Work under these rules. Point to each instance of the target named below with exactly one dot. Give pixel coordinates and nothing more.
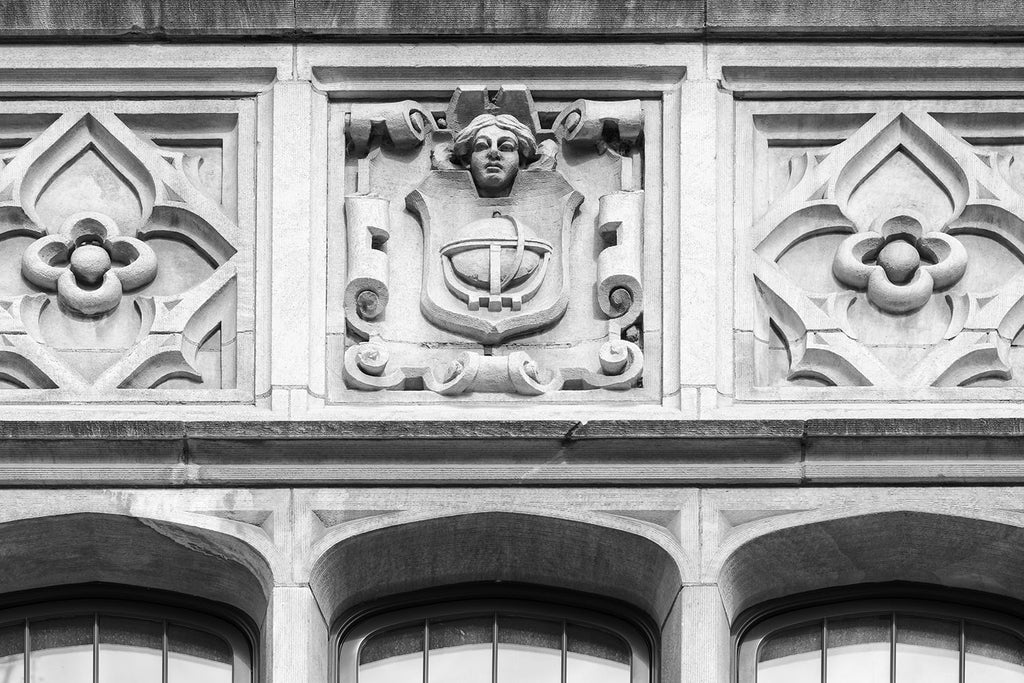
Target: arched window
(884, 641)
(489, 641)
(113, 641)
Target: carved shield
(495, 268)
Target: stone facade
(687, 325)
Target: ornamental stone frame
(420, 306)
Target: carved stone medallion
(524, 226)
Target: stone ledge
(135, 19)
(711, 453)
(759, 18)
(506, 19)
(567, 431)
(353, 18)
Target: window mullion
(96, 648)
(426, 650)
(565, 652)
(824, 651)
(494, 650)
(892, 650)
(963, 651)
(165, 656)
(28, 649)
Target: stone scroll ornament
(498, 220)
(894, 259)
(90, 306)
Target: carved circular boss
(899, 265)
(89, 263)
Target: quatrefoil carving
(89, 244)
(899, 265)
(128, 266)
(893, 259)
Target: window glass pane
(595, 656)
(394, 656)
(12, 653)
(927, 650)
(62, 650)
(461, 651)
(529, 651)
(196, 656)
(859, 649)
(992, 656)
(791, 656)
(131, 650)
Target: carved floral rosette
(127, 267)
(496, 272)
(894, 259)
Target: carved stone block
(125, 249)
(886, 249)
(492, 245)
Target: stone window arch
(494, 640)
(884, 640)
(108, 639)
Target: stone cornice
(504, 19)
(602, 452)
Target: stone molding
(362, 19)
(711, 453)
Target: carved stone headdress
(463, 145)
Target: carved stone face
(494, 161)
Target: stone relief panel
(124, 252)
(886, 248)
(493, 245)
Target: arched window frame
(34, 605)
(352, 633)
(757, 629)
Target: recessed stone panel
(127, 259)
(493, 245)
(885, 255)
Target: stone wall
(688, 325)
(360, 19)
